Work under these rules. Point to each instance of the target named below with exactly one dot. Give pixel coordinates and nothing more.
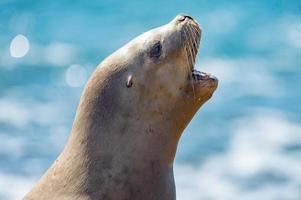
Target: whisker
(195, 40)
(196, 37)
(187, 64)
(198, 31)
(189, 61)
(192, 48)
(190, 74)
(187, 55)
(193, 44)
(190, 51)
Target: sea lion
(132, 112)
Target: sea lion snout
(182, 17)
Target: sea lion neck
(105, 125)
(117, 146)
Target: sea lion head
(131, 114)
(152, 80)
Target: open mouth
(192, 37)
(201, 76)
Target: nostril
(187, 16)
(182, 17)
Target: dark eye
(156, 50)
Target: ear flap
(129, 81)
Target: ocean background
(244, 144)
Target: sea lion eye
(156, 50)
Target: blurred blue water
(253, 47)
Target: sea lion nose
(181, 17)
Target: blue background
(244, 144)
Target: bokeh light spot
(19, 46)
(76, 75)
